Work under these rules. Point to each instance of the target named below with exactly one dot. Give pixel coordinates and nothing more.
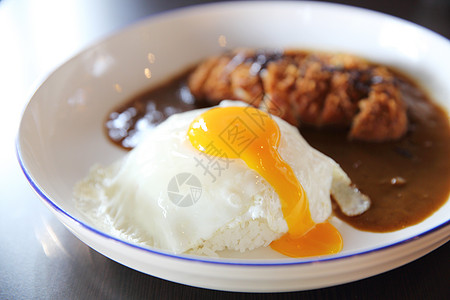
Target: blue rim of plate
(207, 260)
(235, 262)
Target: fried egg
(226, 178)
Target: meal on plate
(230, 177)
(205, 175)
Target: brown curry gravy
(407, 180)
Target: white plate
(61, 135)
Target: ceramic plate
(61, 135)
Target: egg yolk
(252, 135)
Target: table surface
(41, 259)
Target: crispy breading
(319, 89)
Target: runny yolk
(253, 136)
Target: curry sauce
(407, 180)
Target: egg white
(237, 209)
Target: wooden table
(40, 259)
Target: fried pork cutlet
(318, 89)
